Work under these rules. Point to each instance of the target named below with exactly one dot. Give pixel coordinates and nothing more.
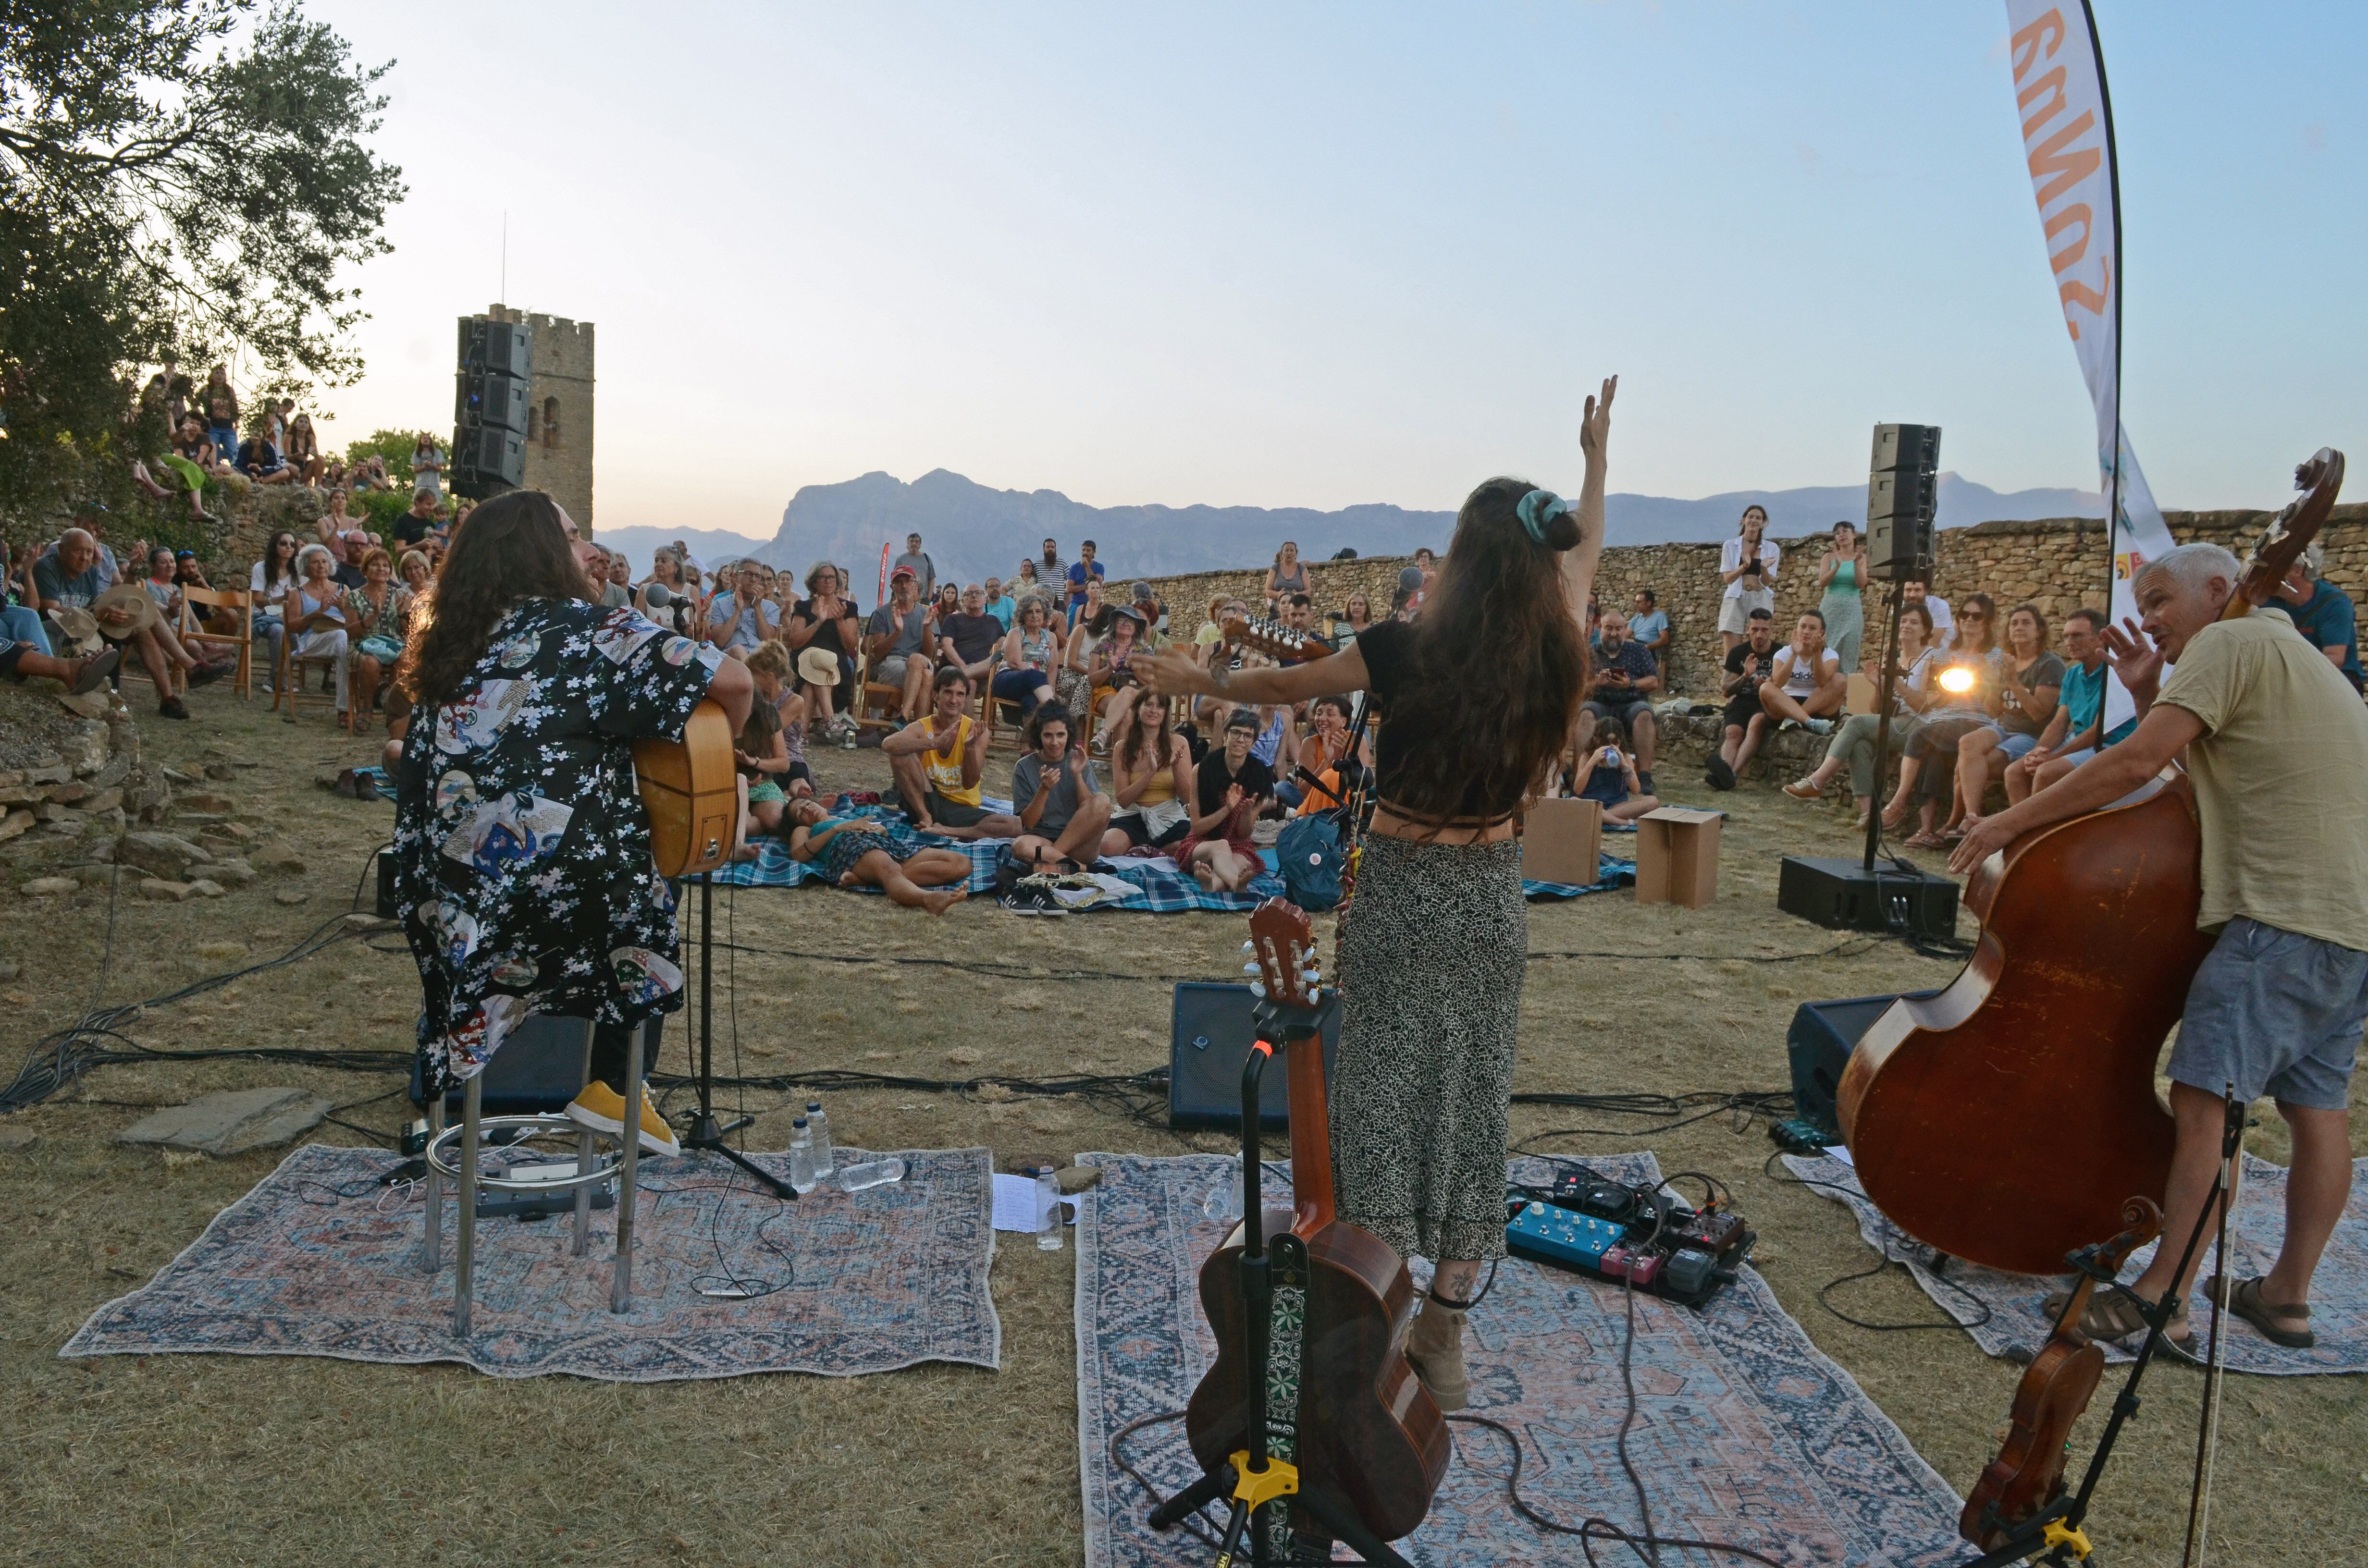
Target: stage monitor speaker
(1819, 1042)
(1842, 894)
(1210, 1038)
(488, 397)
(486, 461)
(504, 348)
(538, 1070)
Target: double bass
(1367, 1431)
(2008, 1118)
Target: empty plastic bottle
(1048, 1213)
(802, 1172)
(826, 1159)
(871, 1173)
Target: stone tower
(559, 410)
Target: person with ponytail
(1475, 701)
(524, 879)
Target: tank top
(1845, 578)
(1036, 653)
(1294, 584)
(1160, 787)
(945, 768)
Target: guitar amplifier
(1209, 1035)
(1819, 1044)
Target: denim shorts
(2013, 744)
(2276, 1013)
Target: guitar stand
(705, 1133)
(1258, 1477)
(2055, 1534)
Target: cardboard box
(1562, 841)
(1861, 694)
(1676, 857)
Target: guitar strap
(1285, 1359)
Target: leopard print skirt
(1430, 967)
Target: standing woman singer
(1476, 699)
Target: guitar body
(1366, 1424)
(690, 789)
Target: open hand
(1595, 426)
(1170, 674)
(2136, 661)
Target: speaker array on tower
(489, 407)
(1901, 489)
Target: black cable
(1766, 1168)
(1662, 1113)
(369, 863)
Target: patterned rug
(1744, 1433)
(313, 1263)
(2005, 1312)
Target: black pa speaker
(539, 1068)
(486, 461)
(1819, 1042)
(1901, 494)
(501, 347)
(1842, 894)
(487, 397)
(1211, 1040)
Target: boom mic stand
(705, 1133)
(1883, 726)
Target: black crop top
(1389, 650)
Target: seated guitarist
(524, 876)
(2276, 742)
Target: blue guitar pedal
(1562, 1236)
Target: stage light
(1956, 680)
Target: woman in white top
(268, 583)
(317, 593)
(1746, 565)
(1911, 693)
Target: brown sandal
(2115, 1314)
(2246, 1301)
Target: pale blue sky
(1316, 256)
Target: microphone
(657, 595)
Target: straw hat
(818, 666)
(78, 629)
(129, 597)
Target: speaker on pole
(488, 397)
(1901, 496)
(486, 461)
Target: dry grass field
(222, 1460)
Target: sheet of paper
(1015, 1204)
(1840, 1151)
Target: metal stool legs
(472, 1102)
(431, 1231)
(620, 1291)
(582, 1243)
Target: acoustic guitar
(1367, 1431)
(1285, 644)
(690, 789)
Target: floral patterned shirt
(524, 876)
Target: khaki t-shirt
(2280, 776)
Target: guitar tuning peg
(1249, 946)
(1258, 991)
(1250, 969)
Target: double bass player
(2275, 743)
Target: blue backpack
(1309, 854)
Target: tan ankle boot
(1434, 1349)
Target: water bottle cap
(812, 1106)
(800, 1122)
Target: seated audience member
(342, 534)
(1153, 613)
(938, 761)
(681, 613)
(182, 474)
(1944, 626)
(898, 640)
(1211, 630)
(1973, 648)
(1322, 752)
(73, 573)
(2072, 735)
(1648, 626)
(1000, 604)
(164, 586)
(187, 573)
(1086, 606)
(305, 449)
(1626, 677)
(761, 752)
(769, 667)
(261, 462)
(968, 638)
(1032, 654)
(1027, 581)
(1805, 684)
(1106, 673)
(412, 529)
(1151, 775)
(1853, 744)
(268, 584)
(370, 473)
(2025, 702)
(1064, 818)
(192, 449)
(738, 620)
(377, 614)
(853, 851)
(824, 621)
(1747, 664)
(1229, 788)
(616, 579)
(2321, 612)
(319, 622)
(1355, 617)
(1608, 775)
(414, 572)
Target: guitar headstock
(2320, 480)
(1275, 639)
(1283, 945)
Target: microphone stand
(1882, 727)
(705, 1133)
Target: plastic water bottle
(825, 1160)
(871, 1173)
(1223, 1203)
(1048, 1213)
(801, 1173)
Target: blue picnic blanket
(1163, 887)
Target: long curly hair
(1498, 664)
(511, 548)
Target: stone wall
(2057, 565)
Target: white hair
(2313, 555)
(311, 550)
(2192, 566)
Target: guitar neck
(1311, 1134)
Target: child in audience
(774, 776)
(1611, 779)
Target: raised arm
(1171, 674)
(1579, 561)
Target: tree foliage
(176, 176)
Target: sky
(1326, 254)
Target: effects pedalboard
(1615, 1231)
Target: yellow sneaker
(602, 1109)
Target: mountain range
(972, 531)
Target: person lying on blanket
(852, 851)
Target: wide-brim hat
(77, 628)
(818, 666)
(124, 597)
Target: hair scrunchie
(1538, 509)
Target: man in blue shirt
(1087, 568)
(738, 620)
(2070, 737)
(2322, 612)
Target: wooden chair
(293, 666)
(869, 691)
(194, 635)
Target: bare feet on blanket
(1205, 877)
(847, 880)
(943, 899)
